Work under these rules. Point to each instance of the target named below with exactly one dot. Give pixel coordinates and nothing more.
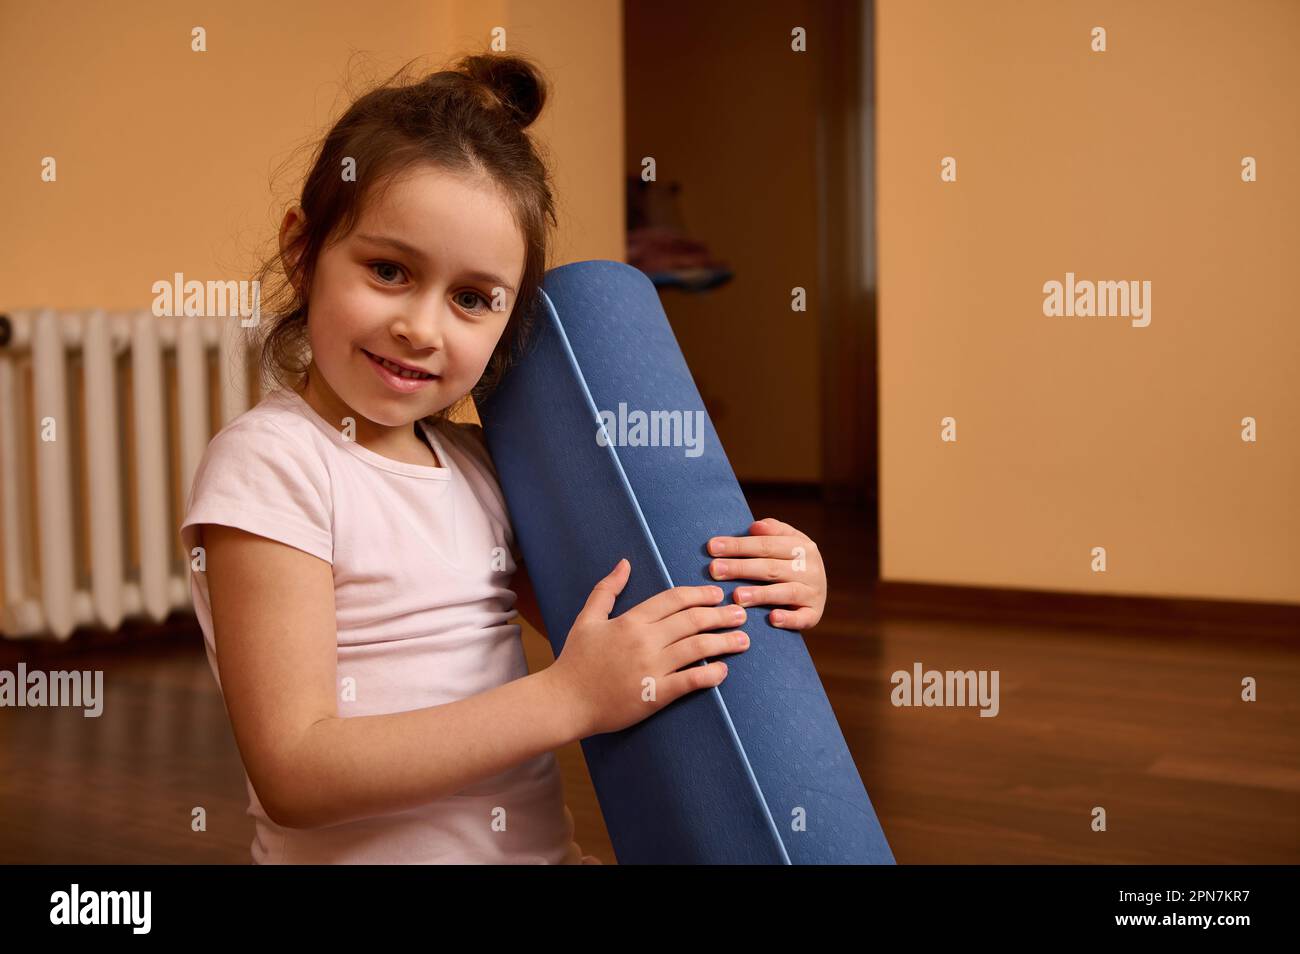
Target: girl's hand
(612, 673)
(575, 855)
(781, 553)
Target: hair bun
(516, 83)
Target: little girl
(354, 586)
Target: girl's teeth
(400, 371)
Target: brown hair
(470, 119)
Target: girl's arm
(526, 604)
(276, 641)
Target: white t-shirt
(422, 560)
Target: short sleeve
(256, 477)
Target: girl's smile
(399, 375)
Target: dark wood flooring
(1147, 724)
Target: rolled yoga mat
(752, 771)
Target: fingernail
(738, 613)
(743, 594)
(720, 567)
(778, 617)
(717, 547)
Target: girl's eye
(473, 296)
(375, 266)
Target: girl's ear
(290, 228)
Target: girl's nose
(421, 327)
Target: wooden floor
(1149, 726)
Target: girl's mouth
(398, 377)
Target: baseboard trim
(1090, 610)
(180, 626)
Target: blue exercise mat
(755, 770)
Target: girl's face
(426, 279)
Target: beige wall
(1076, 433)
(173, 161)
(166, 156)
(717, 97)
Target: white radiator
(90, 517)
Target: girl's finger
(600, 603)
(672, 601)
(573, 855)
(763, 546)
(771, 525)
(777, 594)
(761, 569)
(803, 618)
